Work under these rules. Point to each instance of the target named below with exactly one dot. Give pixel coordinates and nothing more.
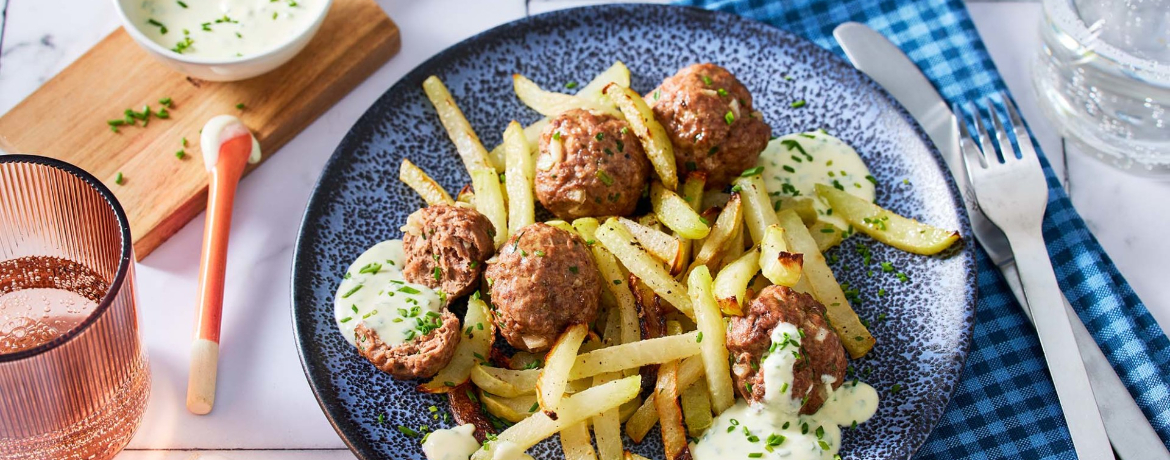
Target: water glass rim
(123, 264)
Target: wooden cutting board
(66, 117)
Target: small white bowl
(219, 69)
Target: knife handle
(1128, 428)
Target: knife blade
(1129, 431)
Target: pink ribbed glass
(74, 377)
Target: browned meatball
(446, 247)
(590, 165)
(419, 358)
(709, 117)
(542, 282)
(821, 353)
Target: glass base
(100, 436)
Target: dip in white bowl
(223, 39)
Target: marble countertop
(265, 409)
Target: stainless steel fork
(1013, 193)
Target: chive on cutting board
(66, 117)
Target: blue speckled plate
(921, 343)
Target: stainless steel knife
(1130, 432)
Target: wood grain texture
(66, 117)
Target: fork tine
(1001, 135)
(984, 139)
(973, 158)
(1023, 140)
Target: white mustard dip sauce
(223, 29)
(374, 293)
(459, 444)
(778, 366)
(795, 163)
(451, 444)
(218, 129)
(774, 429)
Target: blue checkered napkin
(1005, 406)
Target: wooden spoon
(228, 147)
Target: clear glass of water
(74, 377)
(1103, 78)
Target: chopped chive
(118, 179)
(351, 291)
(752, 172)
(604, 177)
(407, 431)
(729, 117)
(570, 85)
(161, 28)
(240, 106)
(798, 104)
(181, 154)
(183, 44)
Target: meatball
(446, 247)
(542, 282)
(590, 165)
(709, 117)
(419, 358)
(821, 354)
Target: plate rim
(967, 252)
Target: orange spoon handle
(225, 176)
